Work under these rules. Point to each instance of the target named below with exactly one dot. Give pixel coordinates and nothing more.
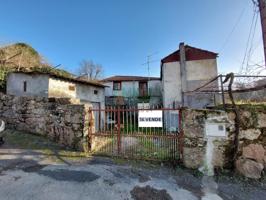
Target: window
(117, 85)
(95, 92)
(72, 87)
(25, 86)
(143, 89)
(220, 127)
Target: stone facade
(194, 140)
(252, 142)
(57, 119)
(251, 155)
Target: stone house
(185, 70)
(50, 85)
(131, 90)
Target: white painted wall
(60, 88)
(201, 69)
(84, 92)
(37, 85)
(198, 73)
(171, 83)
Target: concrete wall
(198, 73)
(62, 123)
(61, 88)
(85, 93)
(201, 69)
(37, 85)
(171, 83)
(45, 86)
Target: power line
(249, 37)
(233, 29)
(252, 39)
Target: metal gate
(119, 134)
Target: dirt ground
(46, 171)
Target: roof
(129, 78)
(71, 79)
(192, 53)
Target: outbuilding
(49, 85)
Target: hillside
(22, 57)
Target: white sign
(150, 118)
(215, 129)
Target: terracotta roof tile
(192, 53)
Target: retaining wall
(251, 153)
(57, 119)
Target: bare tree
(88, 69)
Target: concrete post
(183, 71)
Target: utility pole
(262, 8)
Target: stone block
(249, 168)
(193, 131)
(193, 158)
(249, 134)
(255, 152)
(261, 120)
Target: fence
(243, 89)
(130, 132)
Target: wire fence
(244, 89)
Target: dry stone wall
(57, 119)
(194, 140)
(252, 142)
(251, 155)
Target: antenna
(150, 61)
(148, 66)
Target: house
(131, 90)
(185, 70)
(49, 85)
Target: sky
(120, 34)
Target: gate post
(180, 135)
(90, 127)
(118, 131)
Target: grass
(23, 140)
(161, 149)
(146, 148)
(130, 128)
(28, 141)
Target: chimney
(183, 70)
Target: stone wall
(57, 119)
(194, 140)
(251, 155)
(252, 141)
